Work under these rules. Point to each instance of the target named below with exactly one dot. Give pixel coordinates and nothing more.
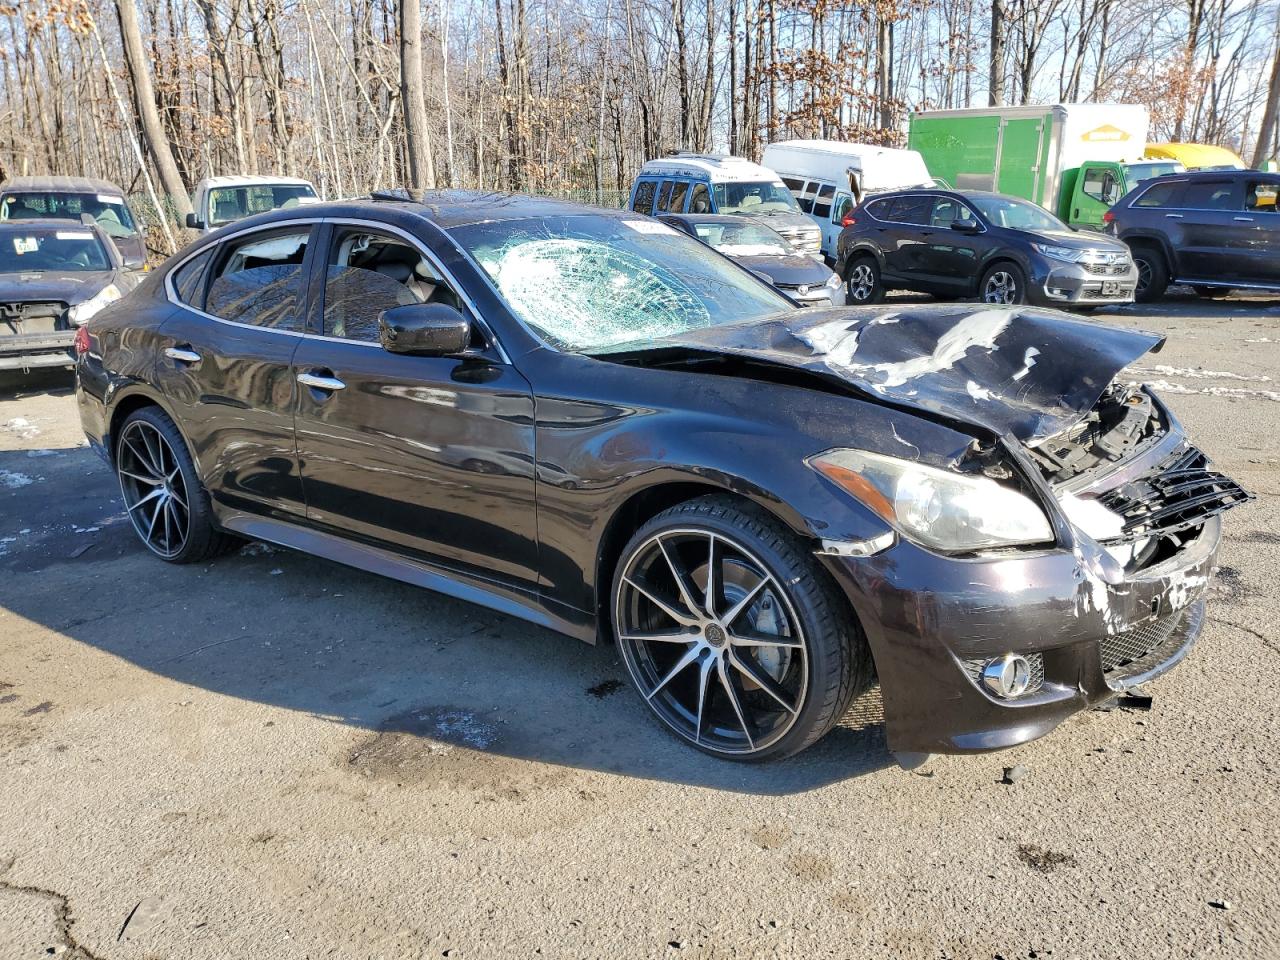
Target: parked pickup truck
(1074, 159)
(218, 201)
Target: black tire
(148, 448)
(1003, 283)
(862, 285)
(827, 665)
(1153, 274)
(1211, 293)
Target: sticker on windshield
(649, 226)
(74, 235)
(23, 245)
(107, 198)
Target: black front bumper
(930, 618)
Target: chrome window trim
(922, 226)
(172, 297)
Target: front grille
(801, 238)
(1108, 269)
(1150, 644)
(1180, 493)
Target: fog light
(1008, 676)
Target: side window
(260, 281)
(675, 199)
(805, 197)
(700, 199)
(644, 196)
(842, 205)
(947, 211)
(1210, 195)
(822, 202)
(794, 184)
(880, 209)
(1100, 183)
(188, 280)
(913, 210)
(664, 196)
(1260, 196)
(367, 273)
(1161, 195)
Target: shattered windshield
(754, 198)
(589, 283)
(743, 239)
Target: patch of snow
(1188, 373)
(1164, 386)
(14, 480)
(22, 427)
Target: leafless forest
(572, 95)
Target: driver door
(423, 455)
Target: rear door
(226, 362)
(1215, 238)
(906, 234)
(425, 455)
(1259, 225)
(950, 258)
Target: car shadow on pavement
(409, 669)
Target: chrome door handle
(1243, 219)
(1174, 216)
(328, 384)
(182, 355)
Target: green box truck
(1074, 159)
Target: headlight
(82, 312)
(834, 281)
(936, 508)
(1066, 254)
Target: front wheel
(733, 634)
(1005, 283)
(862, 283)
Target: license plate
(1110, 288)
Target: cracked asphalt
(271, 755)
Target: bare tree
(421, 170)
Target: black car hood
(69, 287)
(1021, 371)
(789, 271)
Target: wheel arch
(1153, 242)
(997, 257)
(858, 252)
(127, 398)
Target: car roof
(251, 180)
(60, 185)
(716, 166)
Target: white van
(829, 178)
(714, 183)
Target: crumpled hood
(70, 287)
(1027, 372)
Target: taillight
(82, 341)
(1109, 217)
(847, 220)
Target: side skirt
(484, 593)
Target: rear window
(188, 280)
(914, 210)
(1210, 195)
(1160, 195)
(259, 281)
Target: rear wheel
(163, 496)
(733, 634)
(1004, 283)
(1153, 275)
(862, 281)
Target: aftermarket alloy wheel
(732, 633)
(862, 283)
(1005, 283)
(163, 497)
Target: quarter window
(1260, 196)
(188, 280)
(368, 273)
(260, 281)
(1210, 195)
(1161, 195)
(644, 196)
(914, 210)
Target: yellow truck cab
(1196, 156)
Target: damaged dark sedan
(574, 416)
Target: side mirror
(194, 222)
(965, 226)
(134, 263)
(424, 330)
